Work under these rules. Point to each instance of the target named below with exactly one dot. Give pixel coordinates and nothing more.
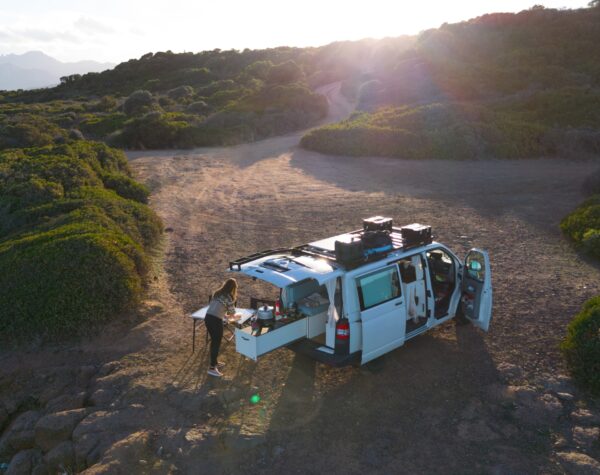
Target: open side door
(477, 288)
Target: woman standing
(222, 303)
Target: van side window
(378, 287)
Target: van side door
(477, 288)
(382, 311)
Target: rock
(85, 451)
(559, 384)
(40, 469)
(55, 428)
(586, 437)
(23, 462)
(56, 384)
(108, 368)
(3, 418)
(134, 449)
(578, 464)
(103, 397)
(85, 375)
(585, 417)
(476, 431)
(565, 396)
(278, 451)
(510, 372)
(561, 442)
(67, 402)
(61, 458)
(534, 409)
(20, 434)
(552, 406)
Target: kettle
(265, 313)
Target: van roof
(315, 260)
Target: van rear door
(477, 288)
(382, 313)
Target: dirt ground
(454, 400)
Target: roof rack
(328, 254)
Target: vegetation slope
(501, 85)
(168, 100)
(75, 231)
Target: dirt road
(452, 401)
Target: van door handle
(400, 302)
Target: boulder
(87, 451)
(585, 417)
(586, 437)
(61, 458)
(20, 434)
(578, 464)
(103, 397)
(52, 429)
(3, 418)
(24, 462)
(65, 402)
(85, 375)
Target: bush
(28, 130)
(198, 107)
(285, 73)
(181, 92)
(581, 346)
(126, 187)
(72, 252)
(582, 226)
(138, 102)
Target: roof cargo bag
(415, 235)
(375, 242)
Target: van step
(311, 349)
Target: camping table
(245, 313)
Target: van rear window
(378, 287)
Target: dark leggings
(214, 325)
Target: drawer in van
(255, 346)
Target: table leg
(194, 337)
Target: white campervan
(350, 311)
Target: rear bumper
(310, 348)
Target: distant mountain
(35, 69)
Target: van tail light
(342, 337)
(277, 308)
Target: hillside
(501, 85)
(168, 100)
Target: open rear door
(477, 288)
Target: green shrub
(181, 92)
(581, 346)
(285, 73)
(72, 252)
(138, 102)
(126, 187)
(582, 226)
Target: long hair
(229, 288)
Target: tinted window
(378, 287)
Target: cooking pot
(265, 313)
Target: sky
(117, 30)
